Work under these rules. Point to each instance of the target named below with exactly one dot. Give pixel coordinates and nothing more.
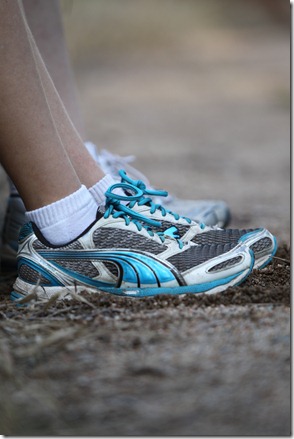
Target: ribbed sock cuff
(98, 190)
(65, 219)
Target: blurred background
(197, 90)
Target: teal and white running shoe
(210, 212)
(120, 254)
(260, 241)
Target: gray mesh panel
(30, 275)
(197, 255)
(38, 245)
(226, 264)
(111, 267)
(261, 245)
(105, 238)
(220, 236)
(79, 266)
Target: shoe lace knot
(147, 201)
(117, 209)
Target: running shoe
(122, 255)
(260, 240)
(210, 212)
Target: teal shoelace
(116, 209)
(147, 201)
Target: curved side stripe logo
(136, 268)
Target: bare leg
(31, 150)
(32, 136)
(44, 20)
(86, 168)
(33, 105)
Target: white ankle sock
(65, 219)
(98, 190)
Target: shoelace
(145, 201)
(116, 209)
(111, 163)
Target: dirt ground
(200, 95)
